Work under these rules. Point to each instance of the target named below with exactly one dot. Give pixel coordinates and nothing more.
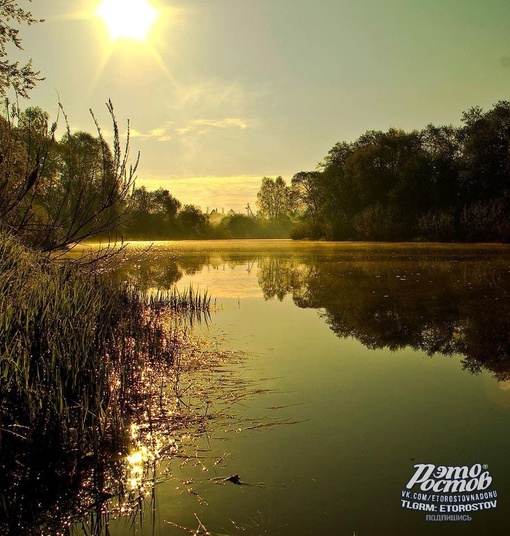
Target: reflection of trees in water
(448, 301)
(145, 275)
(160, 271)
(442, 304)
(279, 276)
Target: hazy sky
(227, 91)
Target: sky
(224, 92)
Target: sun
(127, 19)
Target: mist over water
(366, 360)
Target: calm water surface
(362, 361)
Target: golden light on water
(127, 19)
(145, 451)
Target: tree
(392, 168)
(152, 214)
(485, 167)
(442, 149)
(307, 193)
(140, 201)
(241, 226)
(55, 194)
(158, 202)
(274, 198)
(20, 78)
(340, 199)
(192, 222)
(165, 204)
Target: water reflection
(436, 306)
(437, 299)
(365, 417)
(61, 486)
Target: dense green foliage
(441, 183)
(244, 226)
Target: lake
(372, 390)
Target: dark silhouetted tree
(192, 222)
(152, 214)
(485, 167)
(55, 194)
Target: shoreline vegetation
(89, 366)
(82, 359)
(440, 184)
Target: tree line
(58, 192)
(156, 214)
(442, 183)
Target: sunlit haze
(129, 19)
(230, 90)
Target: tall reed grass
(73, 350)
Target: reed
(74, 348)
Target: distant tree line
(55, 193)
(159, 215)
(442, 183)
(156, 214)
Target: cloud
(135, 133)
(159, 133)
(198, 127)
(224, 123)
(203, 126)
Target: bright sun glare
(127, 19)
